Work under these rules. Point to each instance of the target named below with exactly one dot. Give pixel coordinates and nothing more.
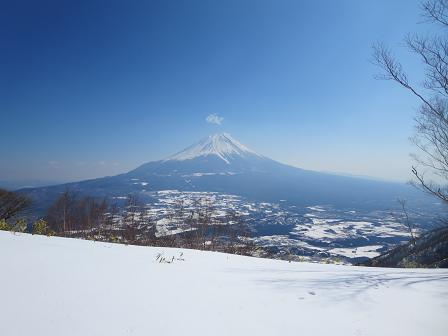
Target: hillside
(429, 250)
(57, 286)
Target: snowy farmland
(283, 230)
(57, 286)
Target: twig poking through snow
(161, 259)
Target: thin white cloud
(214, 119)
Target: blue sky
(94, 88)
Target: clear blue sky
(94, 88)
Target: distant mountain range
(27, 183)
(220, 163)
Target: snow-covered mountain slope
(57, 286)
(221, 145)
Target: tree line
(130, 222)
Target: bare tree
(431, 133)
(12, 204)
(60, 215)
(237, 235)
(131, 219)
(78, 216)
(436, 10)
(405, 220)
(111, 218)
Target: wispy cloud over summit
(214, 119)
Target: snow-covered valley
(283, 230)
(58, 286)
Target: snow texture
(57, 286)
(221, 145)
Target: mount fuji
(221, 145)
(219, 163)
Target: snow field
(58, 286)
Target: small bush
(4, 226)
(19, 226)
(40, 227)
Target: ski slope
(56, 286)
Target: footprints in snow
(312, 293)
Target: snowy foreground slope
(57, 286)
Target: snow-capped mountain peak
(221, 145)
